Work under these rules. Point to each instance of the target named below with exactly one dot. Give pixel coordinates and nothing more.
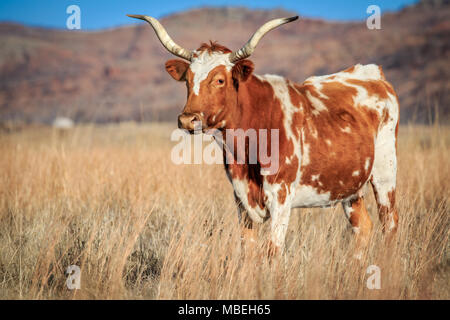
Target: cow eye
(220, 81)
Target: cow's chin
(207, 130)
(196, 131)
(203, 130)
(192, 132)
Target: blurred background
(112, 69)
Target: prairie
(109, 200)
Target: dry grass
(109, 200)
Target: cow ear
(242, 70)
(177, 69)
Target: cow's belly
(310, 197)
(334, 176)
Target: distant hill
(118, 74)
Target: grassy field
(109, 199)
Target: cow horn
(250, 46)
(164, 37)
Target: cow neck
(255, 106)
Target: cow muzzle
(191, 122)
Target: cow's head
(212, 75)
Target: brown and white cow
(336, 132)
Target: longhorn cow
(337, 133)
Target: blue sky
(99, 14)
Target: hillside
(118, 74)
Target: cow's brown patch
(359, 217)
(213, 46)
(373, 87)
(308, 87)
(177, 68)
(282, 194)
(390, 89)
(385, 116)
(349, 70)
(360, 221)
(241, 71)
(381, 72)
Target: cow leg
(356, 212)
(383, 179)
(248, 231)
(385, 197)
(279, 224)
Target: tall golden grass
(109, 199)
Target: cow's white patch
(315, 177)
(361, 72)
(307, 196)
(346, 129)
(202, 65)
(361, 192)
(289, 160)
(279, 212)
(368, 71)
(363, 98)
(392, 223)
(384, 168)
(318, 105)
(367, 164)
(305, 158)
(355, 173)
(356, 230)
(279, 224)
(348, 209)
